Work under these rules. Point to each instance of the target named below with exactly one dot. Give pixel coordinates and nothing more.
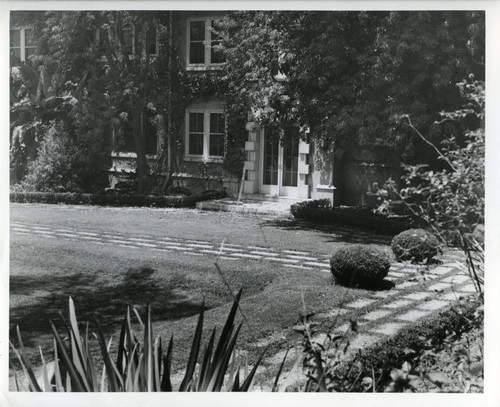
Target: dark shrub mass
(321, 211)
(416, 245)
(359, 266)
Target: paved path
(384, 313)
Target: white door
(280, 161)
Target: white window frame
(133, 54)
(207, 65)
(22, 41)
(205, 157)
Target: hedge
(158, 201)
(392, 353)
(362, 217)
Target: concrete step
(275, 208)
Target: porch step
(275, 208)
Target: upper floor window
(128, 39)
(22, 44)
(131, 47)
(201, 44)
(205, 134)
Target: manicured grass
(192, 224)
(102, 280)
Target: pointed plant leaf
(193, 356)
(221, 364)
(166, 385)
(25, 361)
(59, 382)
(111, 370)
(248, 380)
(45, 374)
(280, 370)
(236, 383)
(72, 375)
(205, 365)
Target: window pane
(15, 38)
(290, 159)
(195, 144)
(217, 123)
(196, 122)
(197, 31)
(128, 39)
(196, 134)
(29, 38)
(151, 41)
(124, 138)
(29, 51)
(15, 54)
(270, 161)
(197, 53)
(216, 56)
(217, 145)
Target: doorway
(280, 162)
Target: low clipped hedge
(359, 265)
(321, 210)
(460, 317)
(417, 245)
(157, 201)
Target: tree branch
(410, 124)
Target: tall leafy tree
(347, 75)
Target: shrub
(298, 209)
(63, 164)
(359, 265)
(322, 211)
(416, 245)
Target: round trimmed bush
(359, 265)
(416, 245)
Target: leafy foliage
(321, 211)
(450, 201)
(359, 265)
(139, 366)
(404, 362)
(346, 75)
(416, 245)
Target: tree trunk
(140, 148)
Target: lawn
(103, 280)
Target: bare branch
(410, 124)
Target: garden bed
(362, 217)
(158, 201)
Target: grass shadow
(48, 298)
(333, 233)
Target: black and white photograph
(218, 197)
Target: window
(123, 136)
(128, 39)
(22, 44)
(201, 44)
(150, 46)
(205, 134)
(151, 41)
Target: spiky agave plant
(138, 366)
